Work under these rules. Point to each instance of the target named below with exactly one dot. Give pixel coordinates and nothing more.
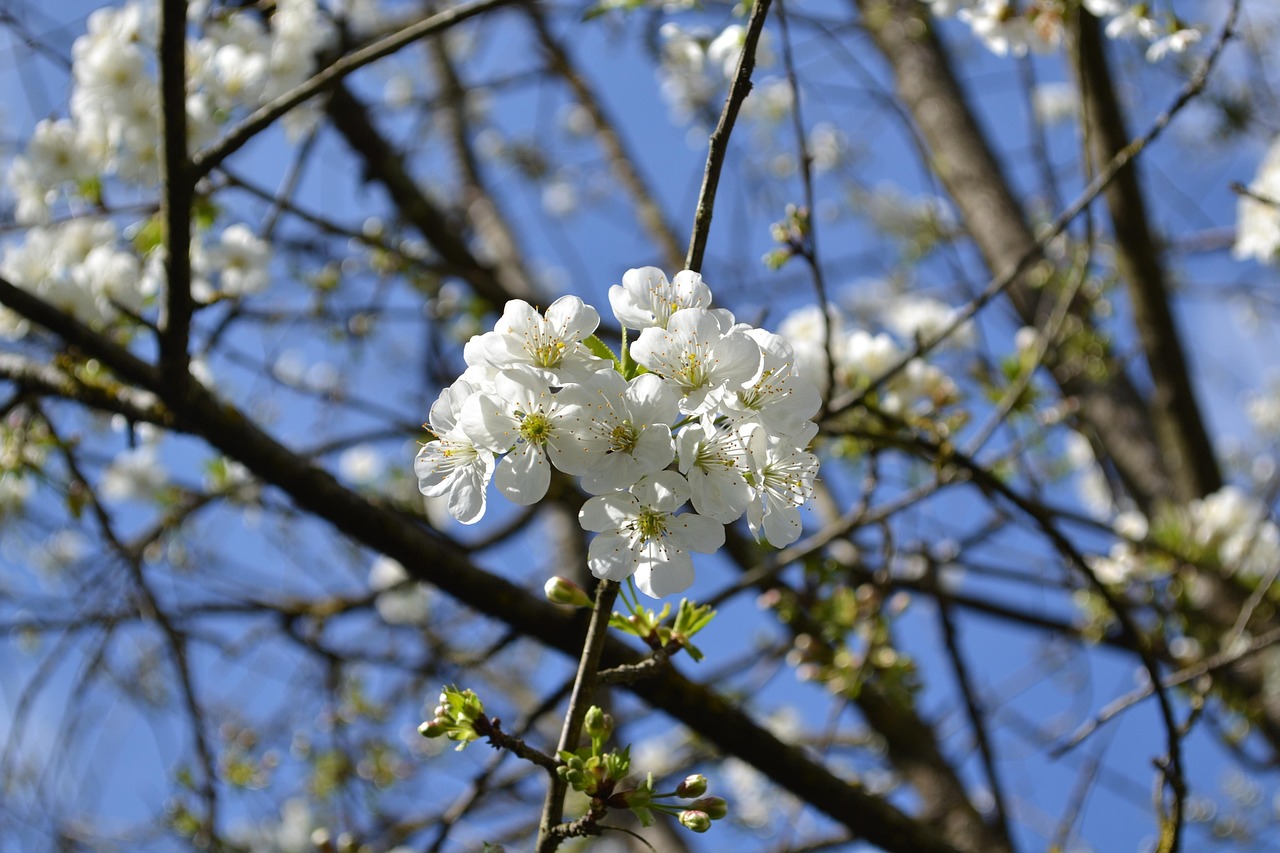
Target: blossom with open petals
(646, 298)
(551, 345)
(623, 429)
(696, 353)
(640, 534)
(523, 419)
(781, 482)
(453, 464)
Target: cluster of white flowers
(1006, 30)
(113, 131)
(78, 266)
(712, 413)
(1007, 27)
(862, 357)
(1258, 213)
(115, 116)
(1228, 527)
(1237, 529)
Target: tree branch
(718, 147)
(266, 115)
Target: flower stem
(583, 688)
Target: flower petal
(524, 475)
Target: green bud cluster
(650, 626)
(456, 717)
(599, 775)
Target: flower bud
(564, 591)
(599, 725)
(695, 820)
(713, 807)
(693, 786)
(431, 728)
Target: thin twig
(1222, 660)
(584, 686)
(719, 142)
(977, 719)
(809, 246)
(263, 117)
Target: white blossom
(400, 601)
(781, 480)
(807, 333)
(1000, 27)
(135, 474)
(780, 399)
(550, 346)
(527, 422)
(640, 534)
(645, 298)
(698, 356)
(911, 316)
(716, 463)
(1132, 23)
(623, 431)
(1258, 214)
(1055, 103)
(453, 465)
(239, 261)
(1175, 42)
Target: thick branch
(386, 166)
(965, 163)
(179, 188)
(1180, 429)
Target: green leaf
(601, 349)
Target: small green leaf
(601, 349)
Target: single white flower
(866, 357)
(780, 399)
(361, 464)
(698, 356)
(453, 465)
(1054, 103)
(1132, 23)
(1105, 8)
(1175, 42)
(725, 50)
(910, 316)
(947, 8)
(239, 259)
(807, 332)
(781, 481)
(641, 535)
(623, 430)
(136, 474)
(1258, 215)
(551, 346)
(645, 297)
(55, 155)
(716, 463)
(526, 419)
(1000, 27)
